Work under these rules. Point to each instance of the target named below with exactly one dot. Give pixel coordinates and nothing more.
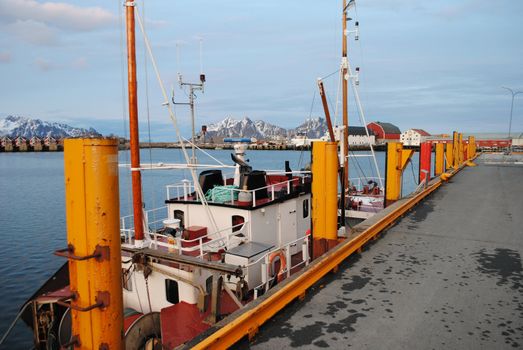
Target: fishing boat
(223, 238)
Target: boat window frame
(169, 289)
(305, 208)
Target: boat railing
(153, 219)
(360, 182)
(185, 189)
(266, 278)
(181, 189)
(225, 238)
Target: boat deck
(448, 275)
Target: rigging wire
(173, 118)
(307, 130)
(362, 64)
(146, 71)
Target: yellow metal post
(397, 159)
(331, 191)
(318, 189)
(440, 159)
(455, 150)
(472, 147)
(449, 148)
(92, 214)
(460, 146)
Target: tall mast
(345, 113)
(133, 124)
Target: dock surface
(448, 275)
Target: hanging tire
(144, 333)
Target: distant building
(36, 143)
(50, 143)
(384, 131)
(358, 136)
(21, 144)
(7, 144)
(414, 137)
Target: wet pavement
(448, 275)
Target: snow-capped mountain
(314, 128)
(14, 126)
(230, 127)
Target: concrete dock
(448, 275)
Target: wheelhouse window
(237, 221)
(171, 291)
(305, 208)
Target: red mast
(133, 124)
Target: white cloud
(5, 57)
(45, 65)
(79, 63)
(33, 32)
(59, 14)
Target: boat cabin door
(287, 230)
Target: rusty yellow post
(331, 191)
(92, 215)
(397, 159)
(455, 150)
(460, 148)
(440, 159)
(472, 147)
(449, 155)
(318, 189)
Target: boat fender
(283, 264)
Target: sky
(436, 65)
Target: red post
(425, 153)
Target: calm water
(32, 216)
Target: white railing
(265, 266)
(184, 189)
(223, 239)
(153, 219)
(360, 182)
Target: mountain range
(261, 130)
(14, 126)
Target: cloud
(45, 65)
(79, 63)
(5, 57)
(58, 14)
(33, 32)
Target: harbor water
(32, 213)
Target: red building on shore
(384, 131)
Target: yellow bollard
(397, 159)
(92, 214)
(440, 159)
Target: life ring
(283, 263)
